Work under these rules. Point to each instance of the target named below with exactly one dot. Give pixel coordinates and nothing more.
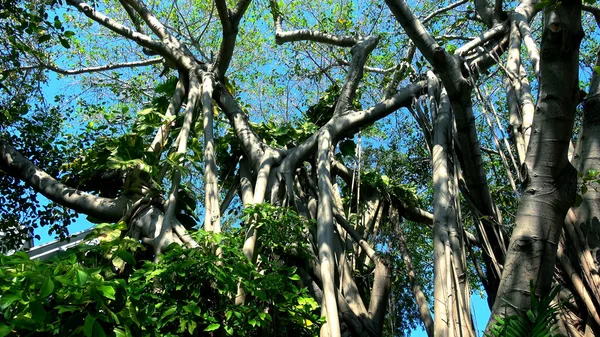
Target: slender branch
(14, 164)
(132, 16)
(371, 253)
(165, 225)
(93, 69)
(443, 10)
(282, 36)
(595, 11)
(369, 69)
(160, 138)
(490, 34)
(423, 306)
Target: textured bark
(583, 224)
(450, 69)
(549, 187)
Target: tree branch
(14, 164)
(155, 25)
(443, 10)
(96, 69)
(360, 53)
(230, 22)
(282, 36)
(139, 38)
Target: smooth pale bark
(165, 231)
(449, 295)
(162, 134)
(325, 234)
(212, 216)
(105, 209)
(549, 187)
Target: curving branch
(282, 36)
(443, 10)
(160, 138)
(488, 35)
(230, 21)
(88, 70)
(595, 11)
(139, 38)
(360, 53)
(14, 164)
(155, 25)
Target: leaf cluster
(108, 288)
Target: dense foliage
(107, 288)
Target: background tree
(360, 121)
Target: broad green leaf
(5, 330)
(107, 291)
(212, 327)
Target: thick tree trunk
(549, 187)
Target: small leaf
(107, 291)
(47, 287)
(82, 277)
(168, 312)
(38, 313)
(65, 43)
(8, 299)
(597, 69)
(126, 256)
(88, 326)
(212, 327)
(295, 277)
(44, 38)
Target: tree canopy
(340, 168)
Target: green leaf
(91, 327)
(295, 277)
(168, 312)
(597, 69)
(64, 42)
(107, 291)
(88, 326)
(126, 256)
(38, 313)
(8, 298)
(348, 147)
(212, 327)
(44, 38)
(4, 330)
(82, 277)
(47, 287)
